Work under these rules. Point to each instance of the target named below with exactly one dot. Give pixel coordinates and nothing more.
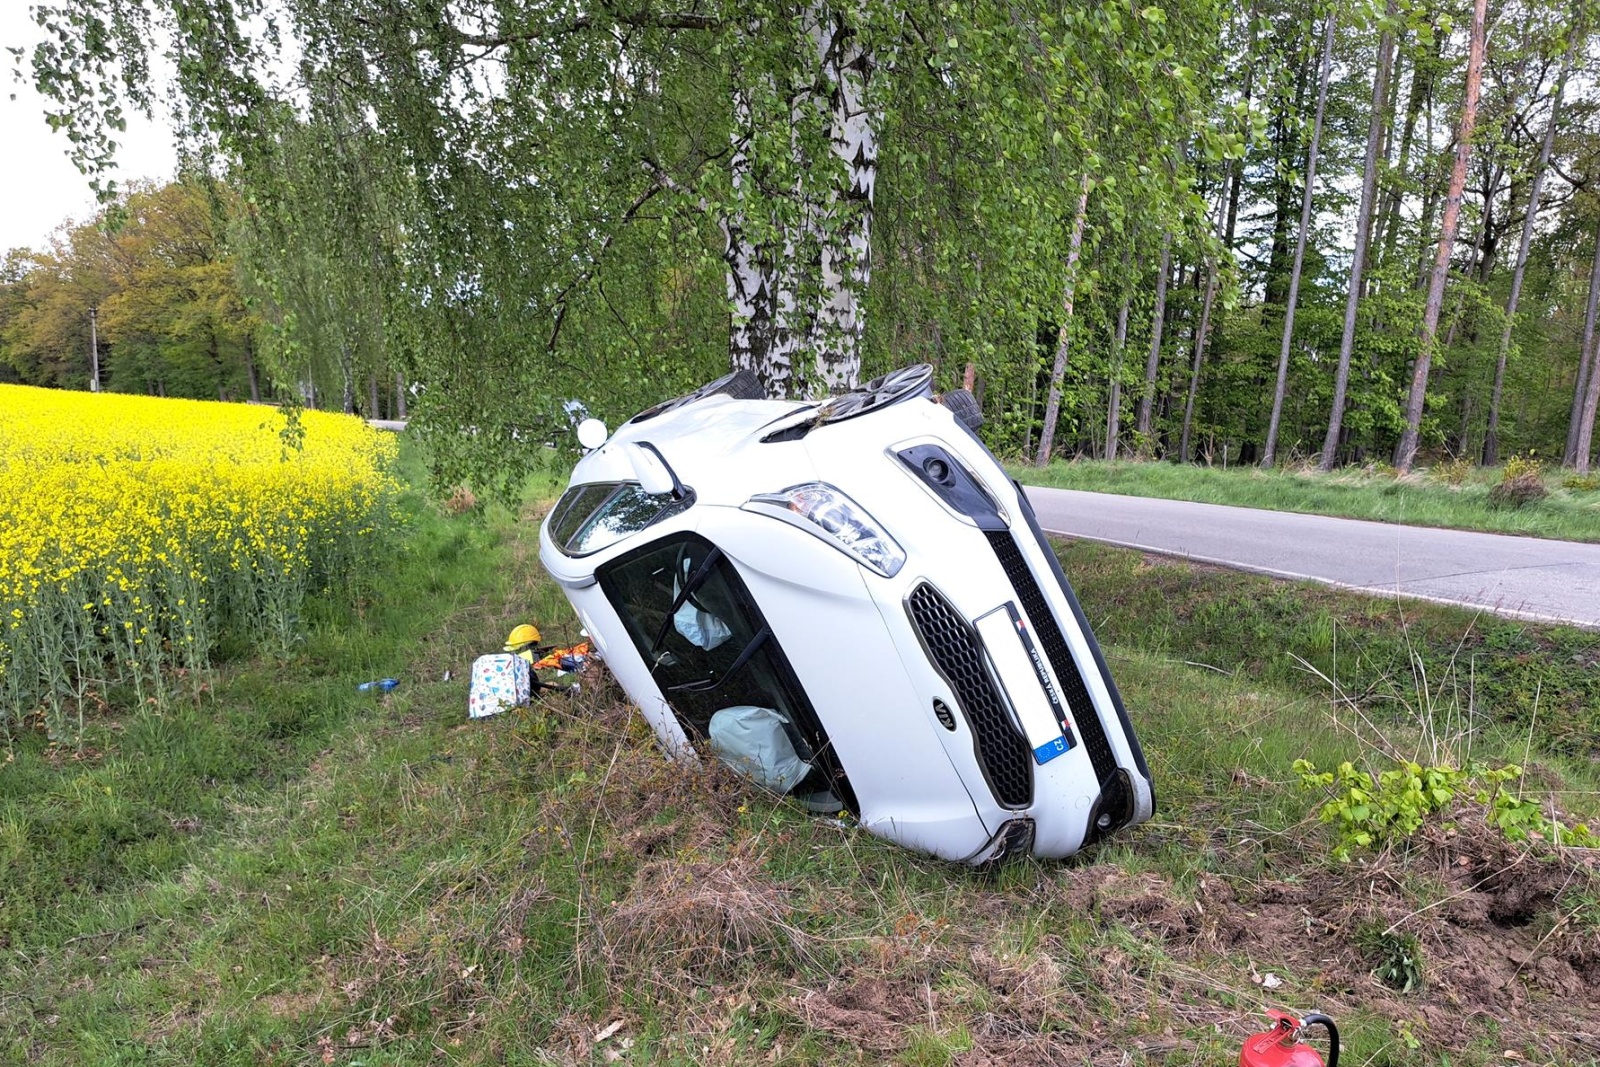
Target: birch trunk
(1406, 453)
(796, 299)
(1591, 402)
(1369, 182)
(1491, 440)
(1269, 455)
(250, 369)
(1058, 372)
(399, 395)
(1422, 75)
(1158, 320)
(1586, 361)
(1114, 402)
(1199, 356)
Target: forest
(1265, 232)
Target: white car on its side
(850, 602)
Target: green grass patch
(1468, 671)
(378, 880)
(1453, 497)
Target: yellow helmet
(521, 637)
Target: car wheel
(742, 384)
(964, 406)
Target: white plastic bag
(499, 681)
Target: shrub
(1456, 472)
(1581, 483)
(1521, 483)
(1374, 812)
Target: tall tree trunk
(1591, 403)
(1586, 360)
(1406, 453)
(1491, 440)
(399, 395)
(1114, 402)
(1199, 357)
(1422, 75)
(1386, 176)
(347, 396)
(1157, 322)
(1369, 181)
(250, 368)
(1236, 168)
(1058, 372)
(1275, 290)
(1430, 196)
(823, 250)
(1269, 456)
(372, 398)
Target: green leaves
(1368, 812)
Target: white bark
(1114, 401)
(796, 296)
(1058, 372)
(1580, 387)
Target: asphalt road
(1522, 577)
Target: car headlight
(825, 511)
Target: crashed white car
(850, 602)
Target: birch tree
(1406, 451)
(1586, 359)
(1369, 181)
(1491, 441)
(1269, 453)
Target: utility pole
(94, 352)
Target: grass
(1449, 496)
(378, 880)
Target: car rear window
(591, 517)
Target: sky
(39, 187)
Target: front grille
(1045, 627)
(953, 647)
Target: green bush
(1521, 483)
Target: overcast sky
(39, 188)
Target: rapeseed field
(136, 533)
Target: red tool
(1281, 1046)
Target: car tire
(742, 384)
(964, 406)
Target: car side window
(713, 656)
(590, 517)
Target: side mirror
(655, 477)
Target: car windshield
(591, 517)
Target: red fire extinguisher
(1281, 1046)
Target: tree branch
(642, 19)
(594, 264)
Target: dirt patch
(869, 1013)
(1492, 925)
